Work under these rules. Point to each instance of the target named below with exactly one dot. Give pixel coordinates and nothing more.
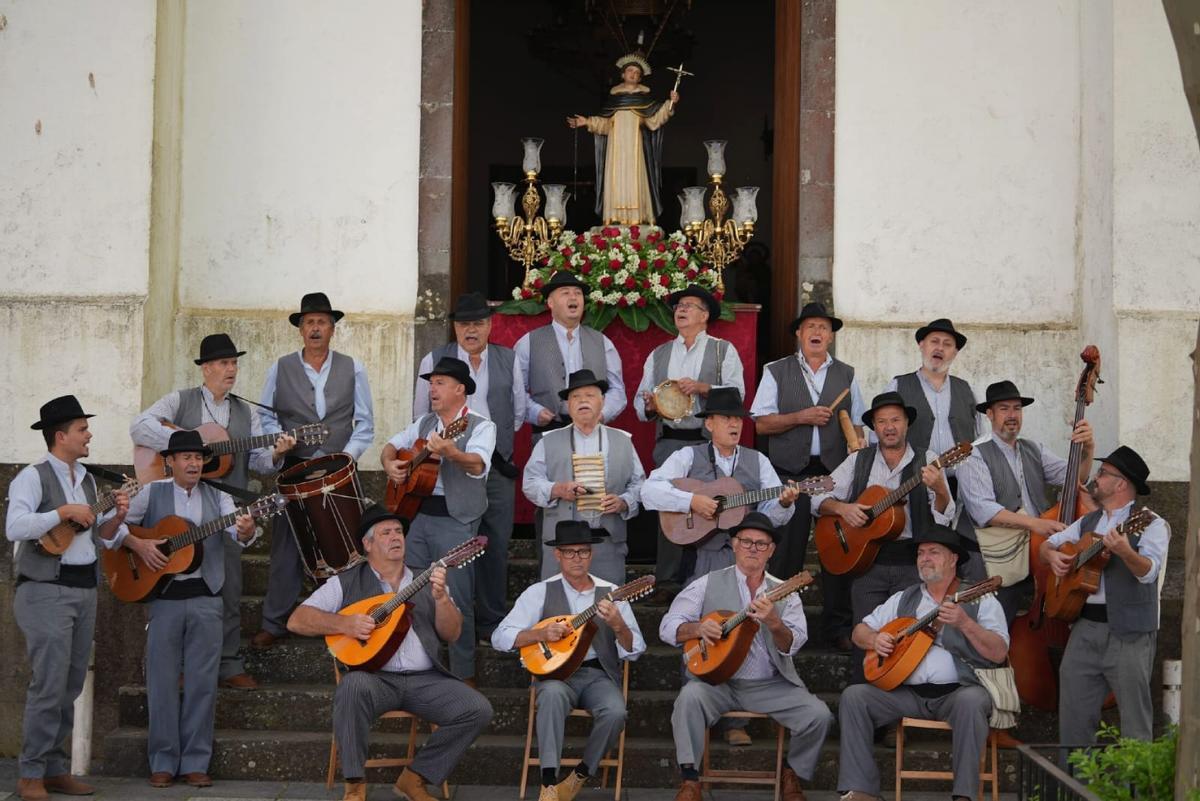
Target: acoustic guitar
(133, 581)
(561, 658)
(913, 639)
(58, 539)
(405, 499)
(689, 528)
(716, 663)
(844, 548)
(391, 614)
(148, 464)
(1066, 595)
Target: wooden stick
(838, 399)
(849, 432)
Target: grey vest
(499, 396)
(1132, 605)
(710, 373)
(962, 410)
(918, 510)
(745, 470)
(722, 593)
(32, 562)
(360, 583)
(618, 471)
(295, 400)
(466, 497)
(605, 643)
(191, 404)
(548, 372)
(1004, 481)
(791, 451)
(162, 504)
(966, 658)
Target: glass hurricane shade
(504, 203)
(693, 204)
(556, 202)
(532, 160)
(716, 156)
(745, 208)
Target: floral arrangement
(629, 273)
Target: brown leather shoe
(355, 791)
(411, 785)
(264, 640)
(689, 790)
(32, 790)
(790, 786)
(240, 681)
(1004, 739)
(197, 779)
(68, 785)
(737, 738)
(161, 779)
(569, 787)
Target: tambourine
(673, 403)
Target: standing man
(55, 600)
(452, 513)
(943, 686)
(794, 410)
(696, 362)
(548, 355)
(500, 397)
(1112, 643)
(184, 633)
(596, 684)
(414, 679)
(314, 385)
(214, 402)
(1003, 483)
(766, 681)
(552, 484)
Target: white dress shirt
(481, 443)
(363, 431)
(977, 490)
(572, 356)
(538, 486)
(766, 398)
(659, 493)
(479, 403)
(1152, 545)
(686, 363)
(24, 522)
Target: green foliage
(1129, 769)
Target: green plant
(1129, 769)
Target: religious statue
(628, 159)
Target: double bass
(1034, 635)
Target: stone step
(496, 760)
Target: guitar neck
(201, 532)
(406, 592)
(753, 497)
(1088, 553)
(587, 614)
(896, 495)
(1070, 490)
(774, 596)
(243, 444)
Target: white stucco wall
(76, 111)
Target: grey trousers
(459, 712)
(491, 569)
(1096, 662)
(668, 557)
(864, 708)
(608, 561)
(429, 537)
(588, 688)
(805, 716)
(182, 637)
(231, 612)
(58, 623)
(285, 577)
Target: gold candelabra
(526, 236)
(718, 240)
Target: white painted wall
(74, 212)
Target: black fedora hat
(700, 293)
(377, 514)
(1132, 466)
(583, 378)
(314, 302)
(456, 369)
(887, 399)
(759, 522)
(561, 279)
(218, 346)
(59, 410)
(725, 401)
(1002, 391)
(942, 535)
(470, 306)
(815, 310)
(574, 532)
(186, 442)
(944, 325)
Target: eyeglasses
(690, 307)
(575, 553)
(1109, 473)
(753, 545)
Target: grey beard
(929, 576)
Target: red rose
(637, 246)
(612, 231)
(641, 264)
(538, 282)
(566, 253)
(719, 295)
(605, 281)
(659, 264)
(681, 263)
(598, 242)
(634, 232)
(691, 274)
(687, 246)
(664, 280)
(622, 302)
(545, 261)
(614, 264)
(630, 283)
(641, 302)
(660, 247)
(580, 239)
(526, 293)
(585, 268)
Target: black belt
(592, 663)
(560, 422)
(896, 552)
(183, 589)
(81, 577)
(434, 506)
(933, 690)
(1097, 613)
(683, 434)
(504, 466)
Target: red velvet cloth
(633, 348)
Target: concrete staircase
(282, 731)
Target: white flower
(595, 296)
(516, 293)
(678, 236)
(620, 276)
(806, 286)
(631, 297)
(576, 259)
(659, 291)
(612, 297)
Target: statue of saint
(628, 158)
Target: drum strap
(236, 492)
(270, 409)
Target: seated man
(942, 687)
(596, 684)
(766, 681)
(414, 679)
